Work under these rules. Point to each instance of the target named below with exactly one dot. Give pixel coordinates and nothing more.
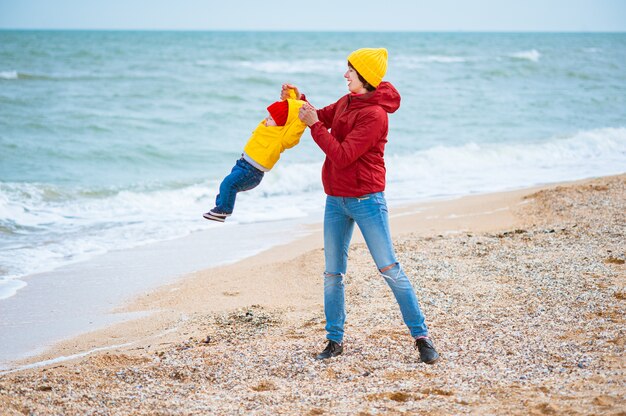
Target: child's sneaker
(215, 215)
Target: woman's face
(354, 85)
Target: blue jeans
(370, 214)
(243, 177)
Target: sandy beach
(523, 292)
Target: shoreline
(476, 213)
(86, 295)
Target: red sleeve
(326, 115)
(366, 132)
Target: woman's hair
(366, 84)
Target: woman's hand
(308, 114)
(284, 93)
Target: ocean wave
(58, 226)
(9, 287)
(13, 75)
(17, 75)
(9, 75)
(419, 61)
(306, 66)
(48, 227)
(473, 167)
(531, 55)
(291, 179)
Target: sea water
(113, 139)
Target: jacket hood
(294, 108)
(268, 142)
(385, 96)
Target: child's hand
(287, 91)
(308, 114)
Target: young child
(280, 130)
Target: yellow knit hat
(371, 63)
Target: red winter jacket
(355, 145)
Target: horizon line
(316, 30)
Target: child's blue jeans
(370, 214)
(243, 177)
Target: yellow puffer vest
(267, 143)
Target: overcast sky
(314, 15)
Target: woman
(354, 180)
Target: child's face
(269, 121)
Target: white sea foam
(473, 167)
(410, 62)
(51, 232)
(73, 228)
(9, 287)
(294, 178)
(531, 55)
(441, 59)
(9, 75)
(302, 66)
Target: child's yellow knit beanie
(371, 63)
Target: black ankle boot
(332, 349)
(428, 353)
